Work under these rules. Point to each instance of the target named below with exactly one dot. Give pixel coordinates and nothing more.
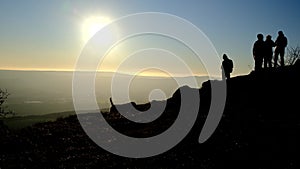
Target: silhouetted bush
(293, 54)
(3, 109)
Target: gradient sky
(47, 35)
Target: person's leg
(258, 63)
(227, 75)
(276, 58)
(282, 57)
(270, 60)
(265, 60)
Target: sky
(50, 35)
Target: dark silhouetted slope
(259, 129)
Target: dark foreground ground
(260, 129)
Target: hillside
(259, 129)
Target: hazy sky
(50, 34)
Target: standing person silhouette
(281, 43)
(269, 44)
(227, 66)
(259, 52)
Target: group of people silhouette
(263, 51)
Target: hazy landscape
(44, 92)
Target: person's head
(225, 56)
(268, 37)
(280, 33)
(260, 36)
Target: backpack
(230, 64)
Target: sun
(92, 25)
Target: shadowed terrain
(259, 129)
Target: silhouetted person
(227, 66)
(259, 52)
(269, 44)
(281, 43)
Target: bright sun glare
(92, 25)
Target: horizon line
(101, 71)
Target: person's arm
(276, 42)
(286, 41)
(254, 50)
